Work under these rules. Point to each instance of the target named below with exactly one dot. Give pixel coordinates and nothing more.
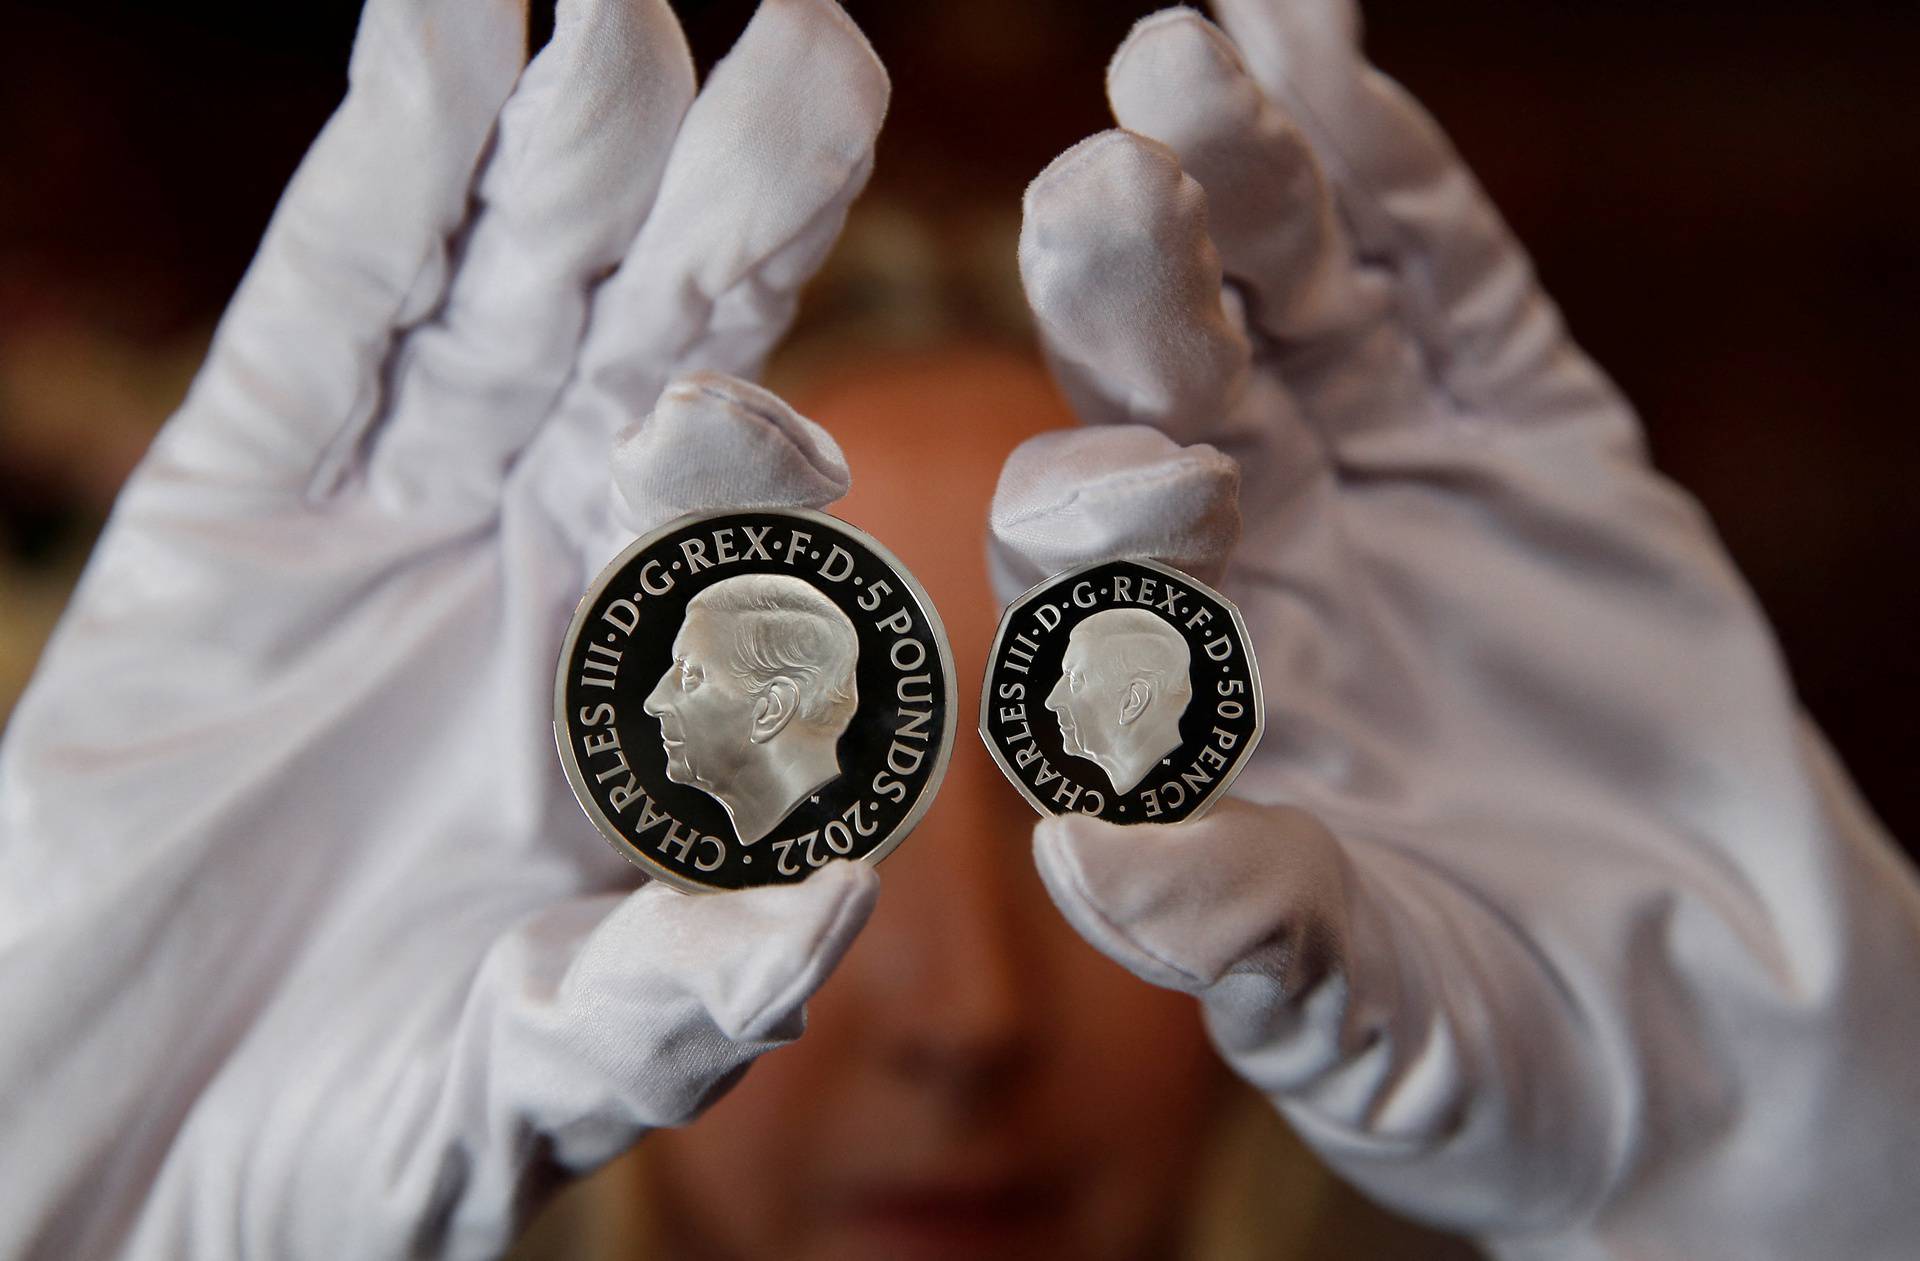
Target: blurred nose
(947, 968)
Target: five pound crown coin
(744, 696)
(1124, 690)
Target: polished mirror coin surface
(746, 696)
(1124, 690)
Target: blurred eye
(690, 674)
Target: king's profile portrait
(760, 689)
(1124, 683)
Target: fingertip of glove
(846, 891)
(1107, 165)
(1125, 283)
(1050, 471)
(643, 34)
(1071, 497)
(750, 957)
(806, 929)
(1090, 871)
(1114, 197)
(1182, 904)
(713, 440)
(1182, 81)
(1233, 843)
(830, 904)
(1299, 47)
(835, 49)
(1174, 47)
(1068, 831)
(1077, 855)
(869, 72)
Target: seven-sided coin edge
(1123, 689)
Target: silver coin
(1125, 690)
(744, 696)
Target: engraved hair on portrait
(1124, 683)
(760, 690)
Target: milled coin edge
(1019, 603)
(576, 778)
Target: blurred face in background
(975, 1081)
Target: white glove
(306, 949)
(1559, 925)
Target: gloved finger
(604, 1018)
(1324, 322)
(574, 168)
(1075, 496)
(1124, 283)
(357, 248)
(771, 154)
(714, 441)
(1178, 80)
(1182, 905)
(1491, 337)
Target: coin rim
(576, 779)
(1020, 602)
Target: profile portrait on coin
(760, 689)
(1124, 683)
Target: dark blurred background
(1721, 195)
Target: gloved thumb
(587, 1024)
(591, 1033)
(1075, 496)
(1245, 888)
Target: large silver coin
(1124, 690)
(745, 696)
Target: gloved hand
(305, 948)
(1546, 916)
